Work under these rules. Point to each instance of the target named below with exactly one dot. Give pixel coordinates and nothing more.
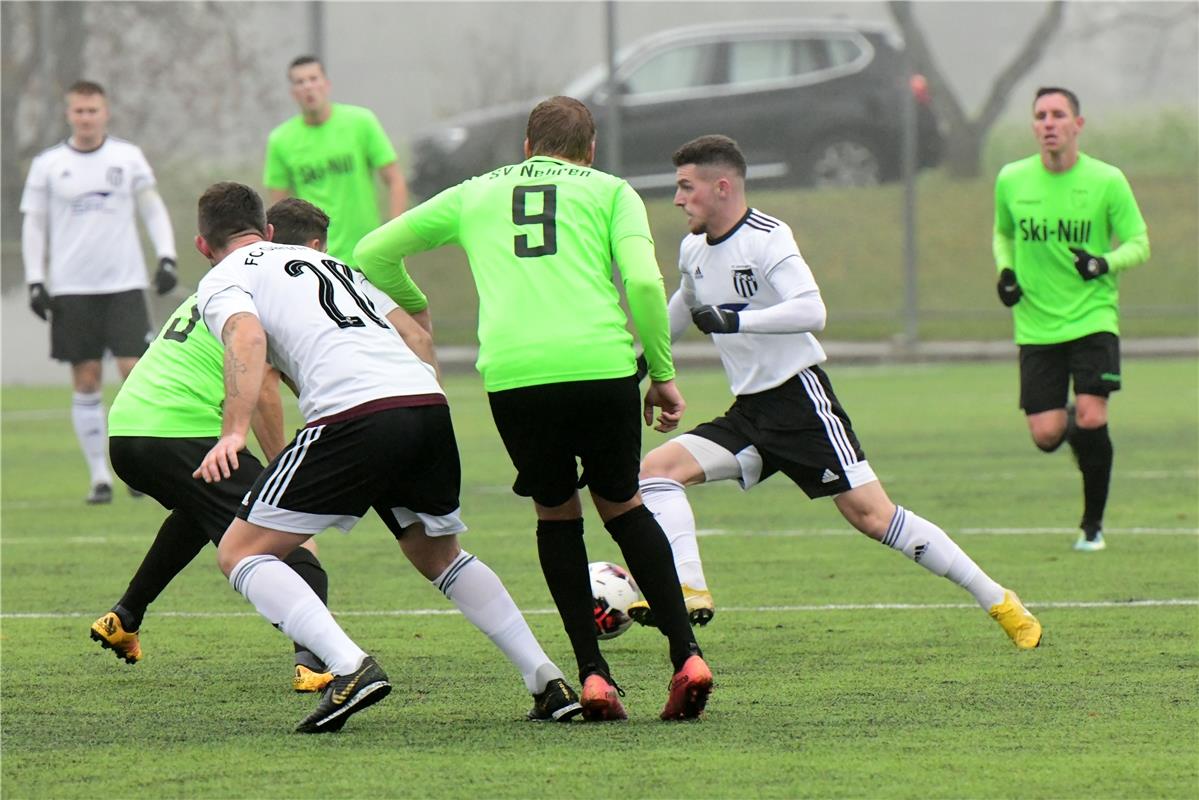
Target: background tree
(966, 135)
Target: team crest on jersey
(744, 282)
(1079, 198)
(116, 175)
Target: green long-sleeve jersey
(541, 237)
(1039, 216)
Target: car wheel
(843, 160)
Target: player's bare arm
(245, 370)
(397, 189)
(415, 335)
(267, 422)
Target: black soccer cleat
(100, 494)
(346, 695)
(556, 703)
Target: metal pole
(316, 28)
(911, 320)
(612, 112)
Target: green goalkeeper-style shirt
(1039, 216)
(541, 237)
(332, 166)
(176, 389)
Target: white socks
(668, 502)
(289, 604)
(482, 599)
(931, 548)
(87, 413)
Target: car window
(761, 60)
(811, 55)
(685, 67)
(843, 51)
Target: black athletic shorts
(1046, 369)
(162, 468)
(797, 428)
(546, 427)
(83, 326)
(403, 461)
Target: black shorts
(797, 428)
(1046, 369)
(402, 461)
(546, 427)
(162, 468)
(83, 326)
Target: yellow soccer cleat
(1021, 626)
(700, 608)
(307, 680)
(111, 635)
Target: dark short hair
(228, 209)
(297, 221)
(1070, 96)
(561, 126)
(711, 150)
(86, 88)
(300, 61)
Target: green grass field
(842, 669)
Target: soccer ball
(613, 590)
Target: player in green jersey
(557, 362)
(163, 421)
(328, 154)
(1066, 227)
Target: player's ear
(528, 152)
(315, 244)
(591, 154)
(270, 232)
(1079, 121)
(203, 247)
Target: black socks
(1093, 450)
(563, 557)
(647, 555)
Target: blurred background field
(842, 669)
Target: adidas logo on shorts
(829, 476)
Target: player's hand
(39, 300)
(666, 396)
(1009, 291)
(1089, 266)
(166, 278)
(221, 461)
(714, 319)
(642, 368)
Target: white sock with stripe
(481, 597)
(289, 604)
(91, 429)
(931, 548)
(667, 500)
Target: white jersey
(753, 267)
(89, 200)
(322, 332)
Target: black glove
(1009, 291)
(39, 299)
(166, 277)
(714, 319)
(1089, 267)
(642, 368)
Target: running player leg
(868, 509)
(479, 594)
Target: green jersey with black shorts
(541, 237)
(332, 166)
(1039, 216)
(176, 389)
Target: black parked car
(811, 103)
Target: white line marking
(799, 532)
(959, 532)
(440, 612)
